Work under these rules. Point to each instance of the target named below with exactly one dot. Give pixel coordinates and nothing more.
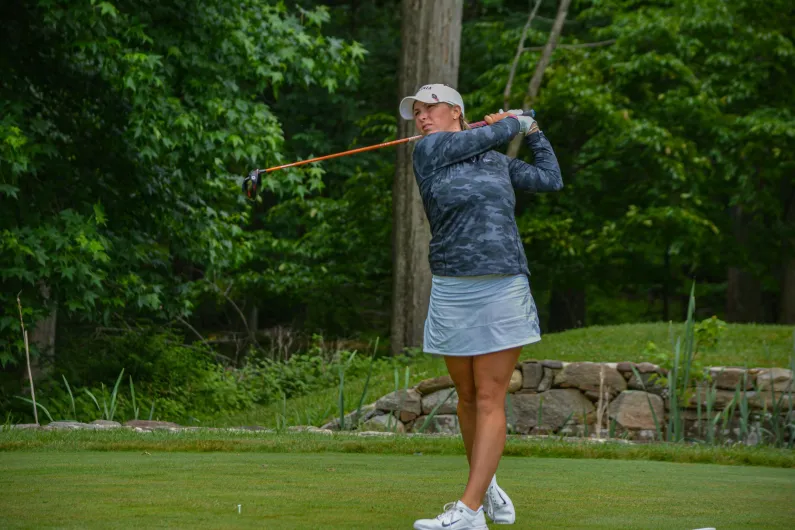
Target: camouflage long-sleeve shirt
(467, 190)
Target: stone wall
(554, 397)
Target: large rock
(625, 367)
(531, 376)
(22, 426)
(536, 377)
(730, 378)
(318, 430)
(375, 434)
(148, 424)
(556, 407)
(351, 421)
(383, 423)
(299, 428)
(409, 400)
(764, 401)
(721, 400)
(585, 376)
(406, 417)
(555, 365)
(450, 406)
(67, 425)
(516, 381)
(441, 424)
(547, 379)
(430, 386)
(648, 368)
(780, 378)
(631, 410)
(649, 382)
(106, 424)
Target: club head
(252, 183)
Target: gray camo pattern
(467, 190)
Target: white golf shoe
(499, 506)
(456, 516)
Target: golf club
(252, 183)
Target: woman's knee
(490, 397)
(467, 396)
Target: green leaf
(99, 214)
(9, 190)
(106, 8)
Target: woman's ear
(456, 112)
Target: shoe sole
(484, 527)
(503, 521)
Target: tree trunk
(431, 37)
(566, 309)
(43, 337)
(666, 290)
(786, 314)
(541, 66)
(743, 291)
(506, 95)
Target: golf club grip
(475, 125)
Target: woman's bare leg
(460, 370)
(492, 375)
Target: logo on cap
(434, 97)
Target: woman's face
(436, 117)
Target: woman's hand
(491, 119)
(527, 124)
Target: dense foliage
(126, 127)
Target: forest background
(126, 128)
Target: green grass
(347, 491)
(741, 344)
(260, 442)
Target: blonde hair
(462, 121)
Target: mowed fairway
(317, 491)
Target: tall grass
(681, 391)
(109, 403)
(27, 359)
(434, 411)
(132, 393)
(71, 397)
(366, 385)
(38, 405)
(657, 427)
(779, 426)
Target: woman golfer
(481, 311)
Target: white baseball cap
(430, 94)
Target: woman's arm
(544, 175)
(444, 148)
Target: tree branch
(573, 46)
(239, 312)
(27, 358)
(185, 323)
(506, 96)
(547, 19)
(541, 66)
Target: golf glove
(526, 123)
